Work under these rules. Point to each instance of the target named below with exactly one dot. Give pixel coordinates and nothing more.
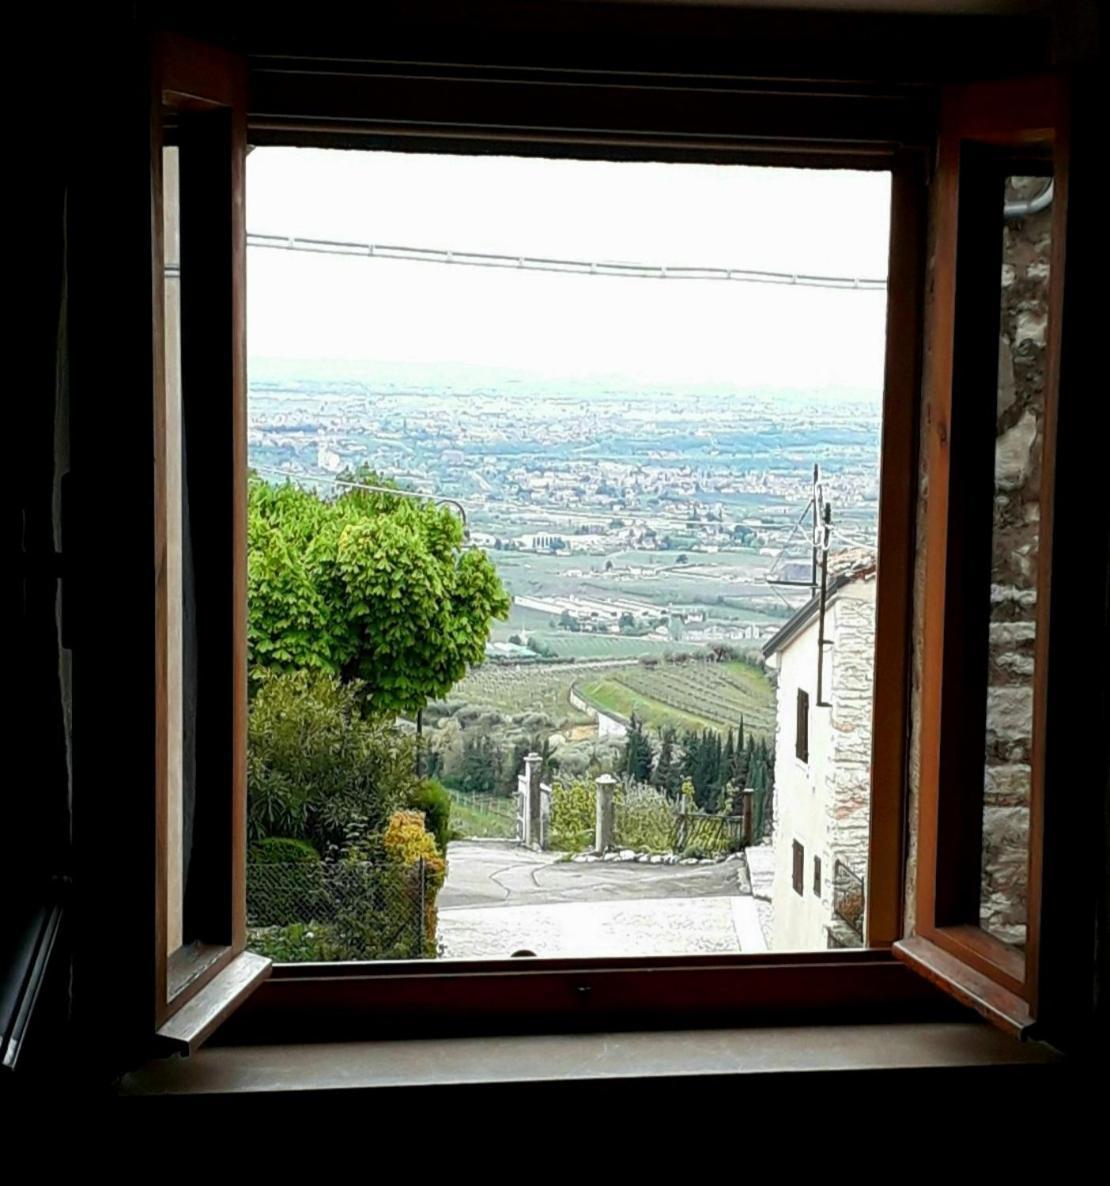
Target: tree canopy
(369, 587)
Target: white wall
(823, 803)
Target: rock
(657, 858)
(612, 856)
(627, 854)
(1013, 453)
(688, 861)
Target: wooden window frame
(290, 108)
(631, 119)
(948, 944)
(204, 89)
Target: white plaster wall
(823, 803)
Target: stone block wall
(1018, 450)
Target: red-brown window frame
(334, 1000)
(204, 90)
(948, 944)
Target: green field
(541, 688)
(690, 695)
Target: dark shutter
(799, 867)
(801, 732)
(817, 876)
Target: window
(219, 570)
(799, 874)
(801, 727)
(1002, 199)
(816, 877)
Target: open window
(992, 395)
(1001, 178)
(198, 150)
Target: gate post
(746, 813)
(603, 816)
(531, 789)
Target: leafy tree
(369, 587)
(627, 622)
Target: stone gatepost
(531, 791)
(747, 813)
(603, 829)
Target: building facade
(823, 768)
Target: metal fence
(341, 910)
(708, 834)
(848, 898)
(483, 817)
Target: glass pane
(655, 735)
(171, 479)
(1026, 246)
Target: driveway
(499, 899)
(485, 873)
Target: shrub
(282, 850)
(406, 840)
(573, 815)
(432, 799)
(317, 768)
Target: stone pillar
(603, 829)
(532, 763)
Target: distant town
(625, 523)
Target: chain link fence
(341, 910)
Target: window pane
(1026, 247)
(580, 554)
(172, 624)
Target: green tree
(666, 775)
(637, 756)
(369, 587)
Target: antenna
(814, 508)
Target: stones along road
(499, 898)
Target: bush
(432, 799)
(318, 770)
(573, 815)
(281, 850)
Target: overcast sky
(739, 335)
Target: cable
(481, 259)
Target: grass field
(687, 695)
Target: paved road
(481, 873)
(499, 900)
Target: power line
(572, 267)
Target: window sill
(569, 1059)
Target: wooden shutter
(801, 727)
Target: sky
(649, 331)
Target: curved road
(500, 899)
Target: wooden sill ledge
(579, 1058)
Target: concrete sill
(568, 1059)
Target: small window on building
(801, 733)
(816, 877)
(799, 868)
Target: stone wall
(1018, 449)
(852, 663)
